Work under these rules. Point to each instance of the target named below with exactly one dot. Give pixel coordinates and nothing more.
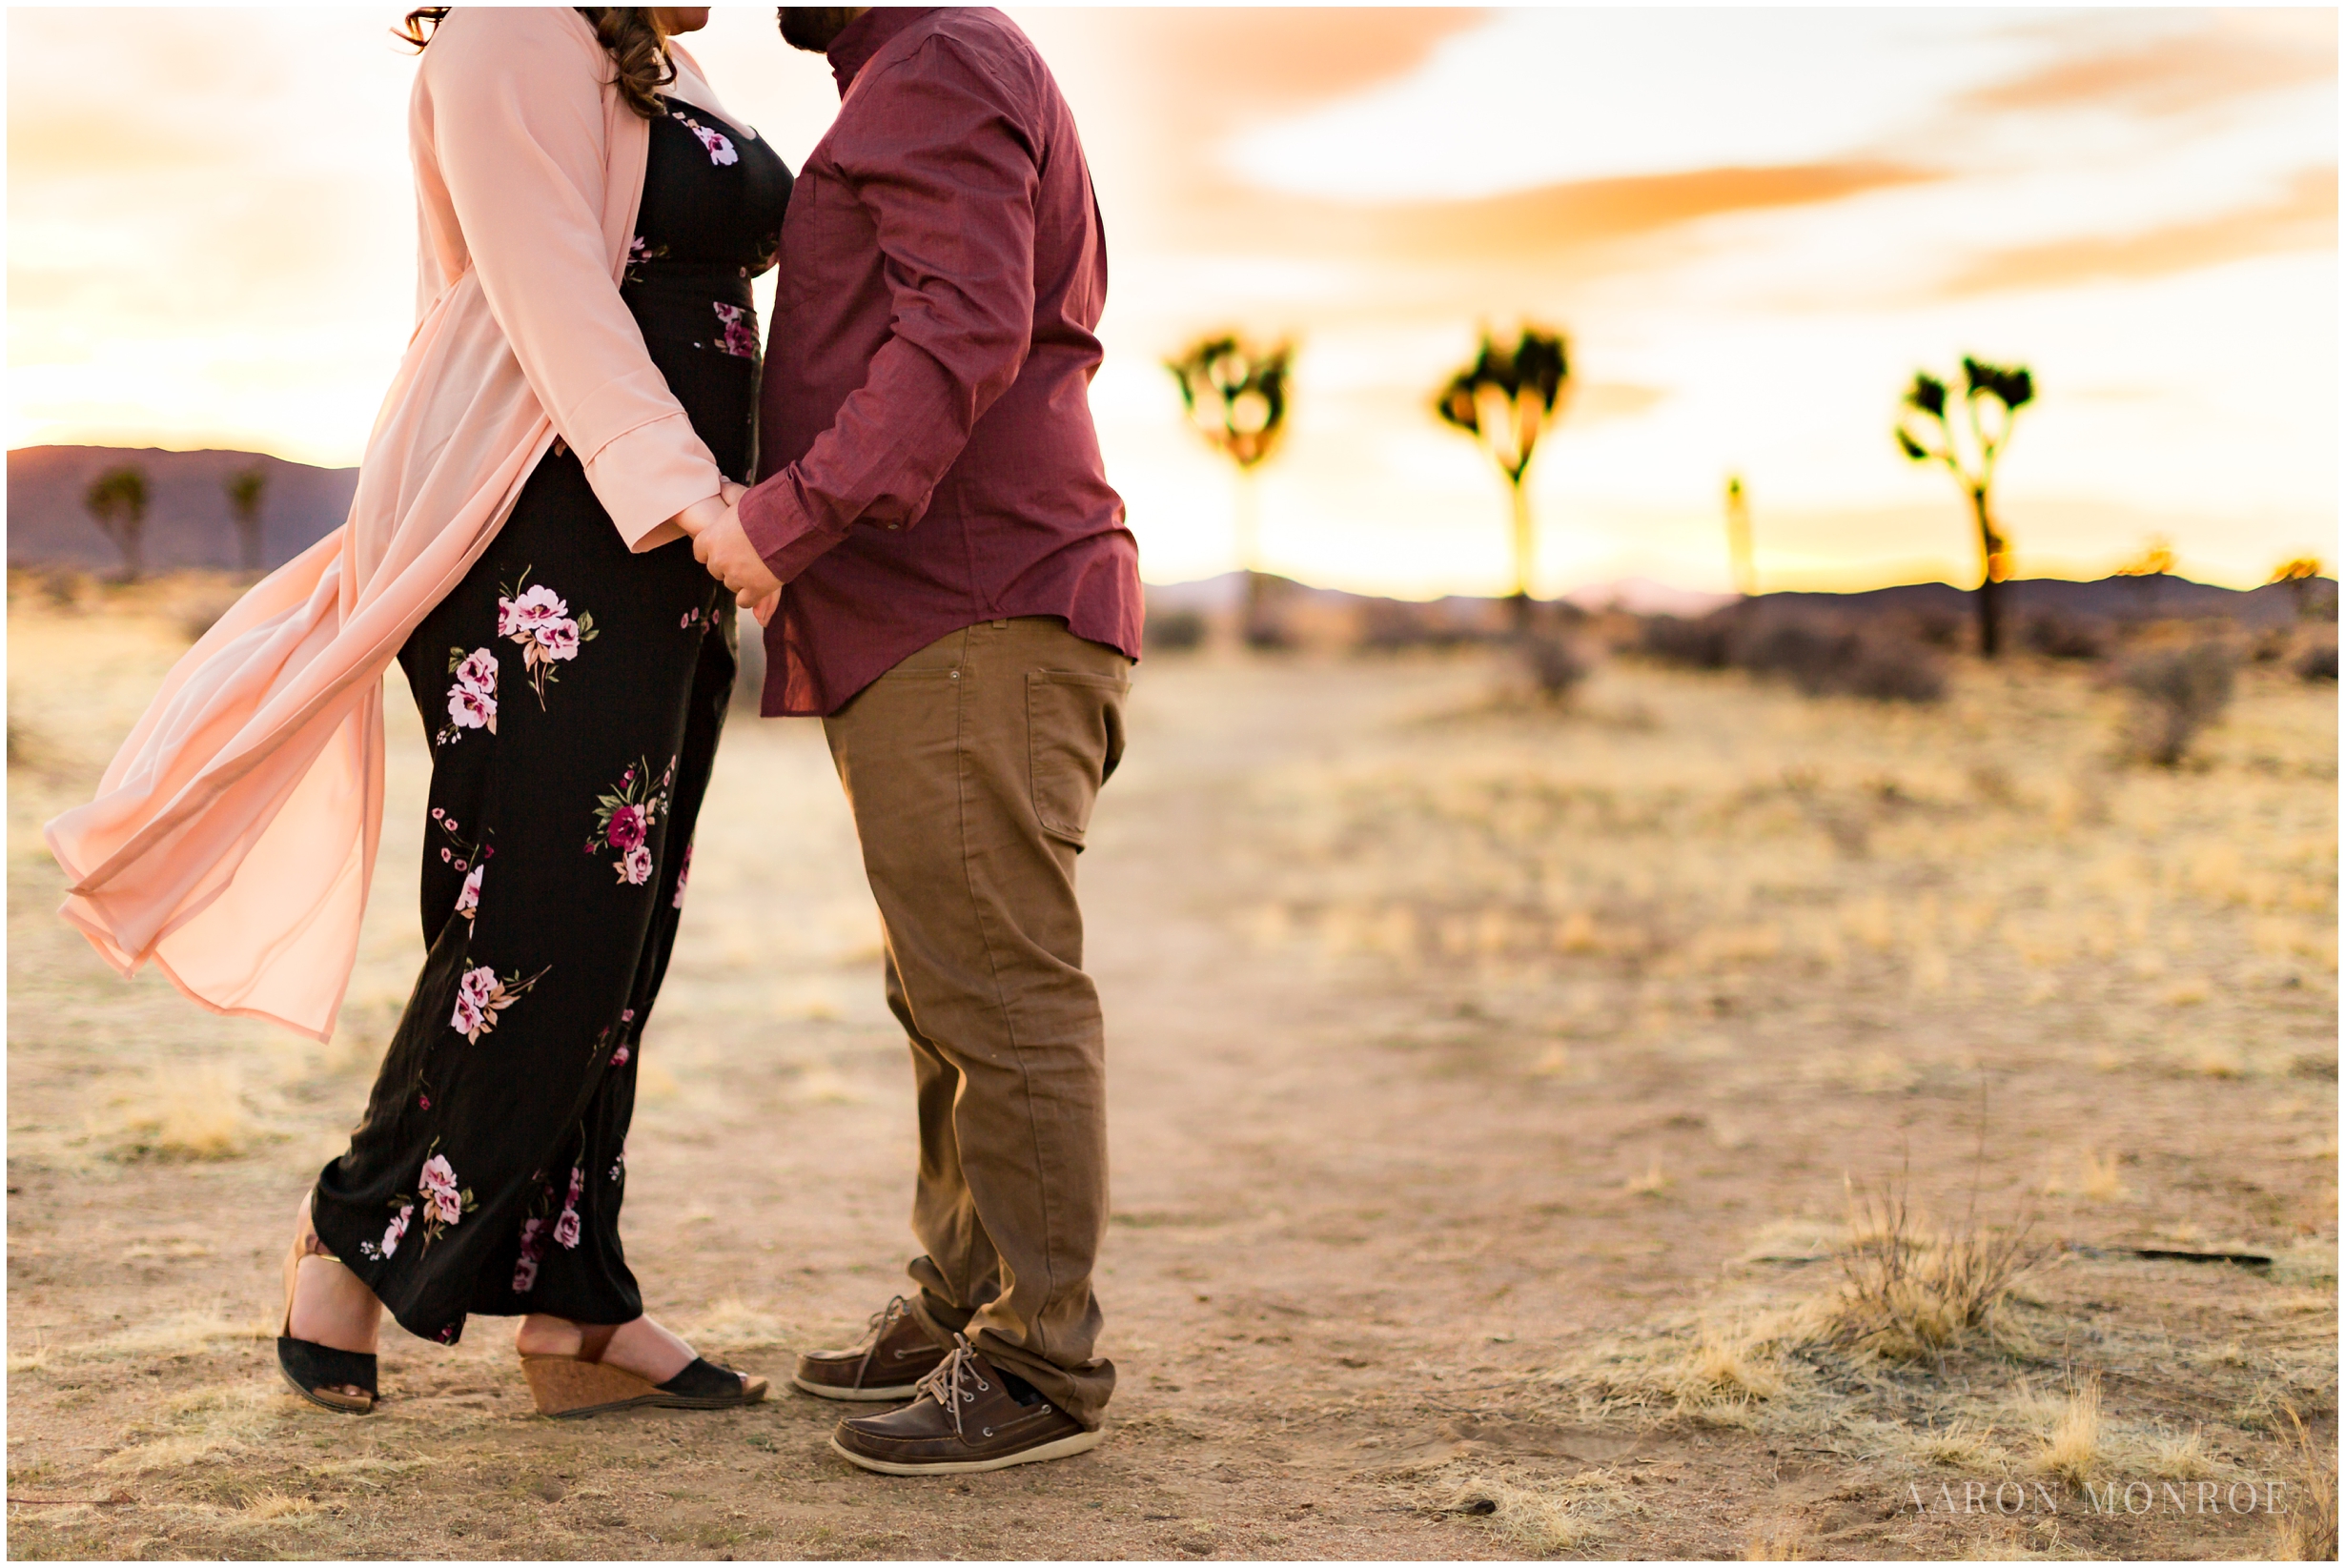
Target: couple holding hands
(587, 467)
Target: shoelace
(877, 1327)
(949, 1385)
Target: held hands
(719, 544)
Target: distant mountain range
(189, 525)
(2151, 597)
(188, 520)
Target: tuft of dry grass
(2096, 1179)
(189, 1114)
(1731, 1367)
(2072, 1448)
(1549, 1518)
(735, 1324)
(1911, 1290)
(1776, 1543)
(2307, 1528)
(264, 1506)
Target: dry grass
(1545, 1517)
(2307, 1528)
(2072, 1448)
(1911, 1290)
(1777, 1543)
(734, 1324)
(181, 1112)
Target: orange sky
(1754, 224)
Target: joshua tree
(1237, 397)
(1505, 400)
(247, 488)
(1738, 539)
(117, 502)
(2010, 389)
(2298, 573)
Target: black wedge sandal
(320, 1373)
(565, 1387)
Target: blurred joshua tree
(2156, 559)
(1505, 400)
(2299, 575)
(117, 502)
(1739, 555)
(1969, 453)
(247, 489)
(1237, 397)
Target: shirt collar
(866, 36)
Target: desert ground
(1538, 1132)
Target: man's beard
(814, 28)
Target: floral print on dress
(719, 146)
(567, 1228)
(738, 333)
(683, 876)
(444, 1201)
(625, 818)
(539, 621)
(472, 697)
(466, 855)
(480, 996)
(639, 253)
(391, 1234)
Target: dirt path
(1467, 1062)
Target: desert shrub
(201, 614)
(2317, 662)
(1389, 625)
(61, 588)
(2177, 693)
(1806, 651)
(1911, 1290)
(1558, 663)
(1892, 670)
(1173, 631)
(1886, 660)
(1703, 644)
(1938, 627)
(2057, 635)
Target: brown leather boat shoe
(964, 1420)
(896, 1353)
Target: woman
(573, 662)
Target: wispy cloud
(2302, 219)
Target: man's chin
(815, 28)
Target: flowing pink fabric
(232, 837)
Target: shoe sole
(1082, 1442)
(831, 1390)
(663, 1401)
(321, 1400)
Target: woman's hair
(630, 33)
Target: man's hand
(719, 544)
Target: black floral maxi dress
(575, 693)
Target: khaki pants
(971, 767)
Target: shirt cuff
(649, 474)
(779, 529)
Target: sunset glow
(1755, 225)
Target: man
(947, 579)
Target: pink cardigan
(232, 837)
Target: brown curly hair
(630, 35)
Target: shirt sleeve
(949, 177)
(519, 134)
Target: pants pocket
(1074, 734)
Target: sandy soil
(1488, 1089)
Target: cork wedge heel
(565, 1388)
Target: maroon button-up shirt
(927, 459)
